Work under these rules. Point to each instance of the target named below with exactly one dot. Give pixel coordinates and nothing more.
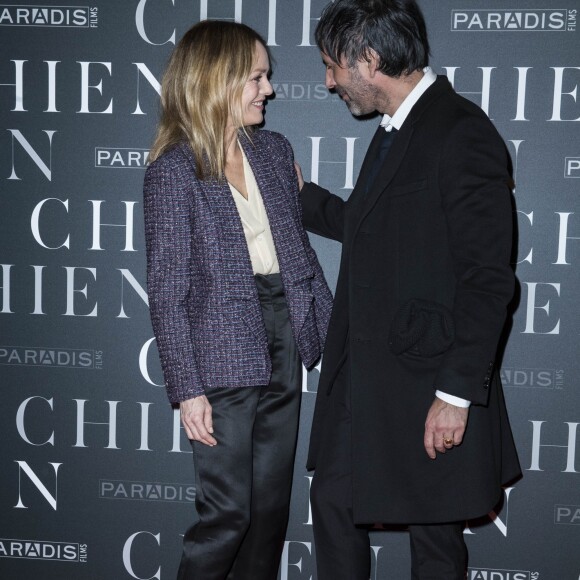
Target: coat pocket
(422, 328)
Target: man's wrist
(453, 400)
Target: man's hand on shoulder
(444, 427)
(299, 175)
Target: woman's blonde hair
(202, 90)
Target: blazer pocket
(408, 188)
(251, 313)
(300, 299)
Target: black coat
(424, 284)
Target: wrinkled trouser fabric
(243, 484)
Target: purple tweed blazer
(202, 296)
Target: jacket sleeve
(320, 290)
(476, 200)
(168, 237)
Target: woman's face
(257, 88)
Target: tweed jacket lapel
(235, 268)
(278, 203)
(238, 281)
(295, 268)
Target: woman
(238, 300)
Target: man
(410, 425)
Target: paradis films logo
(510, 20)
(48, 16)
(532, 378)
(497, 574)
(146, 491)
(121, 157)
(43, 550)
(51, 357)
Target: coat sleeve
(476, 200)
(322, 212)
(168, 237)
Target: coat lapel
(388, 170)
(358, 192)
(398, 149)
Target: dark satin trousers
(438, 552)
(243, 483)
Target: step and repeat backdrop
(96, 475)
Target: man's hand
(299, 174)
(444, 427)
(197, 420)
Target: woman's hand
(197, 420)
(299, 174)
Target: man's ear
(373, 62)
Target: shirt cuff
(453, 400)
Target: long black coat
(425, 269)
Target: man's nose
(329, 79)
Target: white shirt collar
(396, 121)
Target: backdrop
(96, 476)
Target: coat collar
(440, 87)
